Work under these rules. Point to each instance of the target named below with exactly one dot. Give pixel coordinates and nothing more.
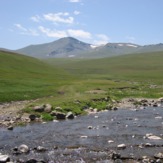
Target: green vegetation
(135, 67)
(24, 78)
(47, 117)
(72, 84)
(133, 75)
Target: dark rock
(31, 161)
(15, 149)
(55, 147)
(70, 115)
(115, 108)
(115, 156)
(155, 105)
(53, 113)
(144, 104)
(58, 115)
(39, 108)
(144, 101)
(90, 127)
(32, 117)
(148, 145)
(10, 128)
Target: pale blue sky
(25, 22)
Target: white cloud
(101, 39)
(19, 26)
(26, 31)
(65, 33)
(74, 1)
(76, 12)
(61, 17)
(36, 18)
(52, 33)
(79, 33)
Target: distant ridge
(64, 47)
(70, 47)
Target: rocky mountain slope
(71, 47)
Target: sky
(29, 22)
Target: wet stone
(153, 137)
(90, 127)
(59, 115)
(115, 156)
(32, 117)
(31, 161)
(148, 145)
(10, 128)
(159, 155)
(158, 161)
(39, 108)
(70, 115)
(23, 148)
(110, 141)
(41, 149)
(4, 158)
(121, 146)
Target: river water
(72, 141)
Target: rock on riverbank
(11, 113)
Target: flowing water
(72, 141)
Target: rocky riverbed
(129, 135)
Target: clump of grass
(28, 110)
(47, 117)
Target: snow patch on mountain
(120, 44)
(131, 45)
(96, 46)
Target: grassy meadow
(62, 82)
(133, 75)
(24, 78)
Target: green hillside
(134, 75)
(144, 66)
(23, 77)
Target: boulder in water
(4, 158)
(23, 148)
(70, 115)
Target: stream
(91, 138)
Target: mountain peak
(70, 40)
(64, 47)
(72, 47)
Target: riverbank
(124, 135)
(13, 114)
